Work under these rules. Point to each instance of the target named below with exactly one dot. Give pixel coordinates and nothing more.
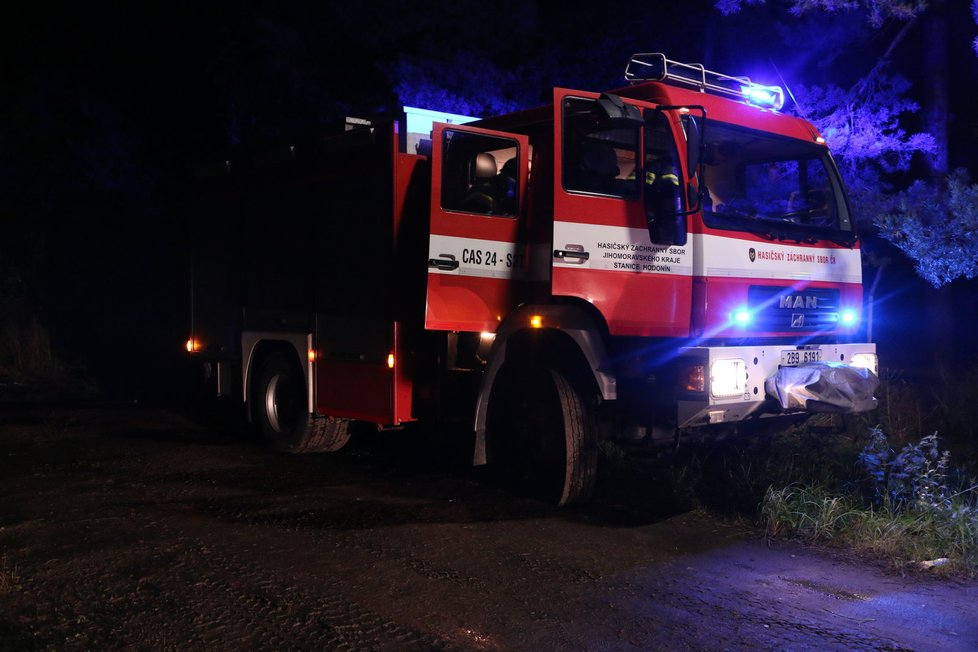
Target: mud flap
(823, 387)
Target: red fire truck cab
(671, 257)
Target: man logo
(797, 320)
(752, 254)
(792, 302)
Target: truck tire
(282, 413)
(542, 435)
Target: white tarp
(823, 387)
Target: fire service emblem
(752, 254)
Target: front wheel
(542, 435)
(282, 411)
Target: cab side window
(480, 174)
(598, 158)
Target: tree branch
(884, 58)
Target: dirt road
(132, 528)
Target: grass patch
(9, 577)
(808, 512)
(909, 509)
(881, 490)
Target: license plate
(792, 358)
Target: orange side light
(192, 345)
(390, 360)
(695, 378)
(536, 321)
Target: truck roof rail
(654, 66)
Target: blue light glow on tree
(936, 227)
(933, 220)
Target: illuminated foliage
(863, 128)
(935, 223)
(450, 85)
(876, 10)
(974, 12)
(937, 228)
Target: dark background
(105, 111)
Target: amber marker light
(536, 321)
(390, 360)
(693, 378)
(312, 355)
(192, 345)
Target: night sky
(106, 109)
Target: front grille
(787, 309)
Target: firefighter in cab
(663, 196)
(662, 185)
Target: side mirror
(695, 156)
(664, 203)
(664, 210)
(668, 229)
(694, 142)
(694, 197)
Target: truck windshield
(779, 187)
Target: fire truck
(673, 258)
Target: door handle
(446, 262)
(573, 254)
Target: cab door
(477, 251)
(602, 249)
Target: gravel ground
(131, 528)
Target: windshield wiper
(810, 237)
(800, 239)
(843, 240)
(767, 229)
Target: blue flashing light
(741, 316)
(768, 97)
(849, 317)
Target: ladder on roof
(654, 66)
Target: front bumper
(743, 381)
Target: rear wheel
(282, 412)
(542, 435)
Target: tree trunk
(935, 114)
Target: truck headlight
(866, 361)
(728, 378)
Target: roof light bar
(768, 97)
(654, 66)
